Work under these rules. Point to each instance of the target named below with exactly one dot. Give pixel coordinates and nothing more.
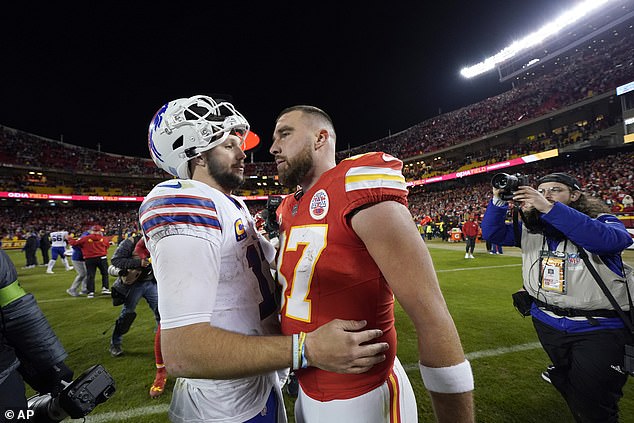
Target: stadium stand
(585, 73)
(567, 103)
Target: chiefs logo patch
(319, 205)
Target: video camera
(508, 183)
(77, 399)
(271, 226)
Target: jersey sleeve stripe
(174, 228)
(373, 170)
(361, 178)
(176, 201)
(179, 219)
(369, 177)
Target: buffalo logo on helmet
(154, 125)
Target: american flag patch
(370, 177)
(178, 215)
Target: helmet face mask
(184, 128)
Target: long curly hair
(590, 206)
(586, 204)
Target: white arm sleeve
(186, 270)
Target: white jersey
(211, 266)
(58, 239)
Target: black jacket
(124, 258)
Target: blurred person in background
(78, 286)
(58, 249)
(30, 248)
(94, 248)
(45, 245)
(136, 273)
(470, 230)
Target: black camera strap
(517, 231)
(627, 320)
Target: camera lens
(500, 180)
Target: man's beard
(530, 219)
(296, 169)
(226, 179)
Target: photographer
(29, 349)
(575, 321)
(135, 273)
(135, 281)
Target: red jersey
(141, 250)
(93, 245)
(327, 272)
(470, 228)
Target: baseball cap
(562, 178)
(96, 228)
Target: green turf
(508, 386)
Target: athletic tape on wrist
(448, 380)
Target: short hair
(310, 110)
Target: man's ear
(322, 139)
(574, 196)
(195, 162)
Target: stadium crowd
(575, 77)
(556, 139)
(18, 148)
(609, 178)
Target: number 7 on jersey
(314, 240)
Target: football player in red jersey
(348, 246)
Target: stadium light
(548, 30)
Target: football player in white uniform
(58, 248)
(219, 318)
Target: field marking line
(68, 298)
(488, 353)
(460, 269)
(116, 416)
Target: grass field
(502, 346)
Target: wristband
(302, 350)
(296, 356)
(448, 380)
(299, 348)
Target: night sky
(97, 74)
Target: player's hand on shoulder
(337, 347)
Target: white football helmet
(184, 128)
